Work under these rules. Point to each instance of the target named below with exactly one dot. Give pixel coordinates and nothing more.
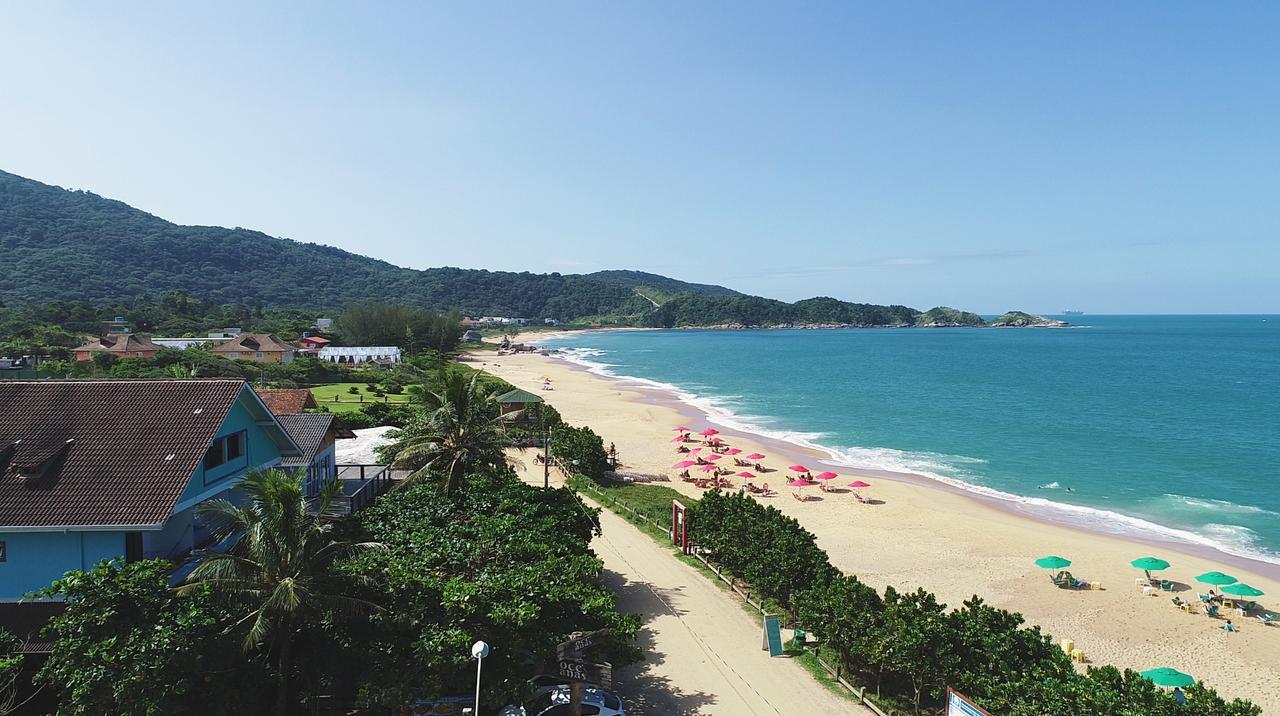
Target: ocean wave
(1050, 486)
(946, 469)
(1208, 503)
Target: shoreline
(922, 533)
(1040, 509)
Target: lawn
(337, 397)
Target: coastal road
(702, 649)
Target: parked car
(554, 701)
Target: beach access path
(702, 650)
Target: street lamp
(479, 651)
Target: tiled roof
(123, 343)
(253, 342)
(308, 430)
(25, 620)
(287, 401)
(133, 447)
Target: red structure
(680, 527)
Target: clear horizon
(1113, 160)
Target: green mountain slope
(74, 245)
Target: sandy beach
(920, 535)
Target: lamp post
(479, 650)
(546, 461)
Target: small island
(1019, 319)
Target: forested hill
(57, 245)
(61, 245)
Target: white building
(360, 354)
(184, 343)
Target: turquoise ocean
(1166, 427)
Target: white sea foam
(1050, 486)
(946, 469)
(1220, 506)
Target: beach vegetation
(580, 450)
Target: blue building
(316, 435)
(94, 470)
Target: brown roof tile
(287, 401)
(246, 342)
(124, 343)
(136, 445)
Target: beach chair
(1211, 611)
(1166, 585)
(1265, 618)
(799, 497)
(1248, 606)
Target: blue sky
(1111, 157)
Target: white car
(554, 701)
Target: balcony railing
(362, 483)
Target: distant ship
(1073, 313)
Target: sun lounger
(799, 497)
(1166, 585)
(1211, 610)
(1265, 618)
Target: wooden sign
(578, 644)
(587, 672)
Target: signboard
(772, 636)
(680, 526)
(578, 644)
(959, 705)
(581, 670)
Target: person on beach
(1179, 698)
(1228, 626)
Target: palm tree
(280, 568)
(461, 432)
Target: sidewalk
(702, 650)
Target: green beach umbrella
(1146, 564)
(1165, 676)
(1217, 579)
(1242, 590)
(1055, 562)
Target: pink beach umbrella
(799, 483)
(733, 451)
(825, 476)
(709, 432)
(747, 475)
(707, 468)
(716, 441)
(681, 429)
(714, 457)
(756, 456)
(858, 483)
(798, 468)
(695, 450)
(683, 464)
(680, 439)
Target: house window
(258, 354)
(132, 546)
(232, 355)
(224, 450)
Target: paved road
(703, 650)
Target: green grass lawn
(346, 401)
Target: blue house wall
(33, 559)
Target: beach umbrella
(683, 464)
(709, 432)
(679, 439)
(747, 475)
(1166, 676)
(799, 483)
(715, 441)
(859, 483)
(1242, 590)
(1147, 564)
(695, 450)
(708, 468)
(733, 451)
(756, 456)
(714, 457)
(1053, 562)
(798, 468)
(1217, 579)
(681, 428)
(825, 476)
